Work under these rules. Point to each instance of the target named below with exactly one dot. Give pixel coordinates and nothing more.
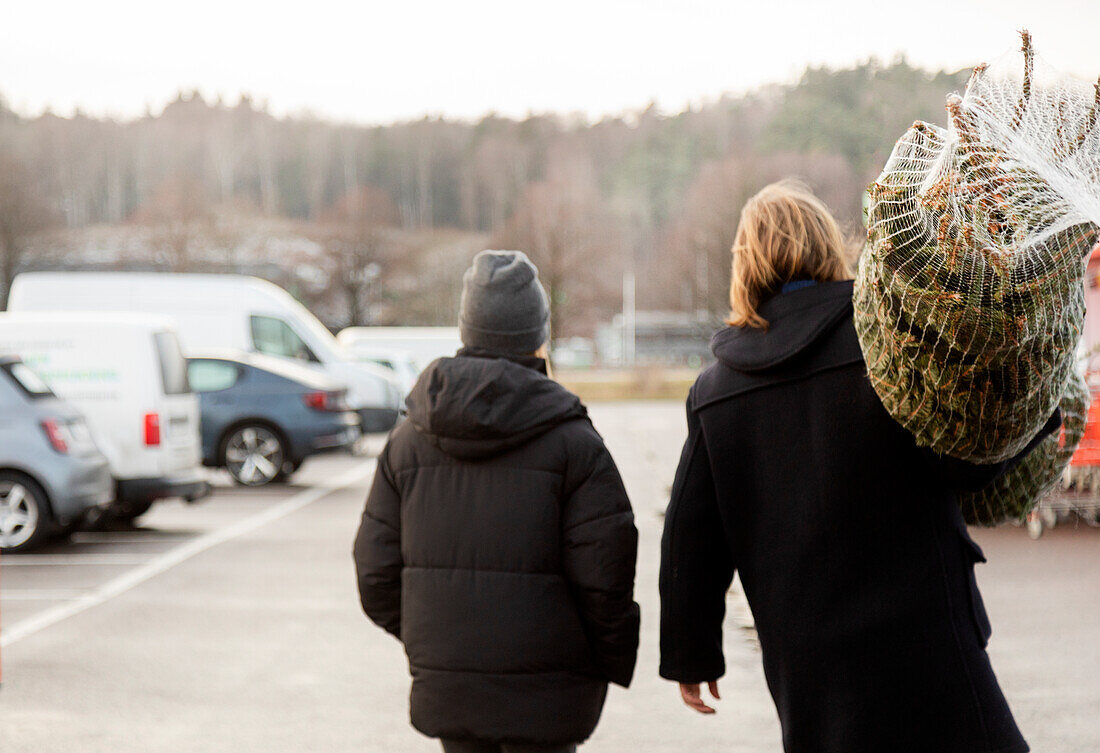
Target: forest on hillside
(373, 224)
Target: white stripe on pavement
(166, 561)
(40, 594)
(105, 537)
(73, 560)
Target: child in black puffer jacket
(498, 543)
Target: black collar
(796, 320)
(531, 362)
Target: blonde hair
(544, 353)
(785, 233)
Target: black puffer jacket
(851, 547)
(499, 545)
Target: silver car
(51, 473)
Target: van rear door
(177, 414)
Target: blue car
(51, 472)
(261, 417)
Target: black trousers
(483, 746)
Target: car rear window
(212, 376)
(27, 380)
(173, 366)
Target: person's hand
(692, 693)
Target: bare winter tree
(23, 212)
(501, 164)
(692, 272)
(562, 224)
(180, 213)
(659, 190)
(355, 233)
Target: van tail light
(55, 435)
(326, 401)
(152, 429)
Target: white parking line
(96, 537)
(73, 560)
(163, 562)
(40, 594)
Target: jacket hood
(476, 405)
(796, 320)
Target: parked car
(222, 311)
(51, 472)
(126, 375)
(263, 416)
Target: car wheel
(254, 455)
(24, 513)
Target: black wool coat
(499, 546)
(850, 545)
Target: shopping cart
(1078, 496)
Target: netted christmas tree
(1014, 494)
(969, 301)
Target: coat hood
(478, 404)
(796, 320)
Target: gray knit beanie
(504, 308)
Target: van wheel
(118, 516)
(128, 512)
(253, 455)
(63, 532)
(24, 513)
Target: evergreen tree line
(654, 193)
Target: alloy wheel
(19, 514)
(253, 455)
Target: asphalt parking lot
(233, 625)
(66, 577)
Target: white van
(406, 351)
(215, 311)
(400, 363)
(127, 375)
(423, 344)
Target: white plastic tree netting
(969, 300)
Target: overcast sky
(375, 62)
